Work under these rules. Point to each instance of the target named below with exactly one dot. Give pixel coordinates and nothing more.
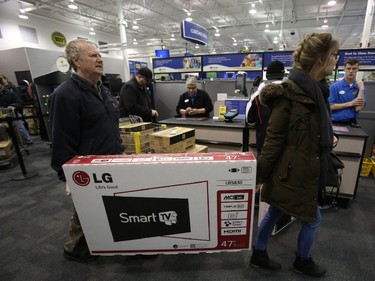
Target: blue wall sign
(233, 62)
(194, 33)
(286, 57)
(366, 58)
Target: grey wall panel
(13, 60)
(41, 61)
(223, 86)
(166, 95)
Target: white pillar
(366, 31)
(122, 29)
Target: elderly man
(194, 102)
(84, 121)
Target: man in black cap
(135, 97)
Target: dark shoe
(261, 259)
(79, 258)
(308, 267)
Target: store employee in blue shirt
(194, 102)
(347, 97)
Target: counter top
(241, 124)
(346, 130)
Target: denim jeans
(23, 131)
(306, 235)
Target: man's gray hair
(191, 81)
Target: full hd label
(142, 217)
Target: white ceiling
(158, 19)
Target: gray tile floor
(34, 215)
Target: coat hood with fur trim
(287, 89)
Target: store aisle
(34, 219)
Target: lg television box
(164, 203)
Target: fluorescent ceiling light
(331, 3)
(72, 5)
(23, 16)
(252, 11)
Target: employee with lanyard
(194, 102)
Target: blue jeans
(23, 131)
(306, 236)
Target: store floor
(34, 219)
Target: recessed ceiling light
(23, 16)
(189, 19)
(331, 3)
(72, 5)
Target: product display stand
(25, 175)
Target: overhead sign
(177, 64)
(233, 62)
(194, 33)
(366, 58)
(286, 57)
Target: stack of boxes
(136, 137)
(6, 145)
(140, 138)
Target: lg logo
(83, 179)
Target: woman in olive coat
(295, 154)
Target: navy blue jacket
(10, 98)
(201, 100)
(81, 123)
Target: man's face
(192, 89)
(90, 62)
(142, 81)
(351, 71)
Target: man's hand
(154, 113)
(67, 190)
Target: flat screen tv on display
(162, 53)
(211, 75)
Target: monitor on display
(162, 53)
(212, 75)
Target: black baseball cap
(146, 73)
(275, 69)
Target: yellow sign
(58, 39)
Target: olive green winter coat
(289, 165)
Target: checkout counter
(351, 150)
(217, 135)
(237, 135)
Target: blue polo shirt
(342, 92)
